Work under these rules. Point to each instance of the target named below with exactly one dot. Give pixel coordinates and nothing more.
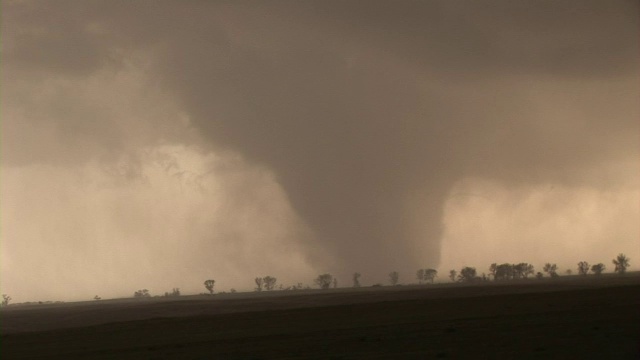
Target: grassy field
(567, 318)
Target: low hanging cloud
(347, 127)
(122, 197)
(488, 222)
(181, 218)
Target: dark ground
(564, 319)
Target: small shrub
(393, 278)
(174, 292)
(269, 282)
(597, 269)
(324, 281)
(467, 274)
(622, 263)
(356, 280)
(144, 293)
(208, 284)
(583, 268)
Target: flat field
(571, 317)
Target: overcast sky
(157, 144)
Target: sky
(157, 144)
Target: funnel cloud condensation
(362, 118)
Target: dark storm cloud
(369, 112)
(478, 38)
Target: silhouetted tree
(301, 286)
(493, 270)
(335, 283)
(523, 270)
(504, 272)
(393, 277)
(324, 281)
(467, 274)
(583, 268)
(209, 285)
(426, 275)
(430, 274)
(597, 269)
(622, 263)
(551, 269)
(530, 271)
(356, 280)
(539, 275)
(5, 299)
(452, 275)
(97, 298)
(511, 271)
(142, 293)
(517, 271)
(298, 286)
(259, 283)
(269, 282)
(174, 292)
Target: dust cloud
(157, 144)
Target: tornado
(367, 114)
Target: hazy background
(158, 144)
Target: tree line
(506, 271)
(497, 272)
